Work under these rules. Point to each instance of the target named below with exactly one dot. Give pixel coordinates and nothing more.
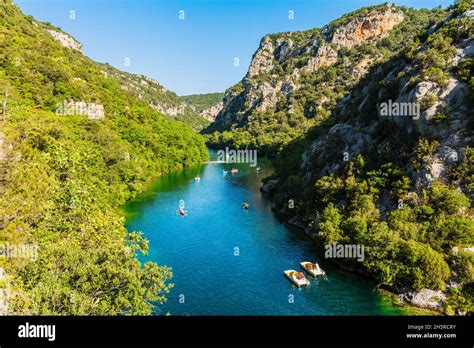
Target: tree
(425, 268)
(329, 226)
(448, 200)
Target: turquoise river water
(230, 261)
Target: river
(230, 261)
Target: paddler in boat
(245, 205)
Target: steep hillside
(206, 105)
(295, 79)
(349, 173)
(139, 86)
(400, 184)
(159, 98)
(76, 146)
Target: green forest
(65, 178)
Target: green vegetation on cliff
(203, 101)
(315, 93)
(157, 97)
(417, 229)
(400, 187)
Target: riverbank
(426, 301)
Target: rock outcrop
(325, 56)
(212, 112)
(277, 66)
(262, 61)
(66, 40)
(363, 30)
(424, 298)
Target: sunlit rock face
(263, 87)
(66, 40)
(361, 30)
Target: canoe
(316, 271)
(291, 275)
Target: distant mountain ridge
(206, 105)
(158, 97)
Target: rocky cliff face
(66, 40)
(212, 112)
(276, 69)
(373, 26)
(431, 145)
(445, 114)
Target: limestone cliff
(66, 40)
(280, 66)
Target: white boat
(197, 178)
(296, 278)
(312, 268)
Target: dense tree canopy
(65, 177)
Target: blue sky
(195, 54)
